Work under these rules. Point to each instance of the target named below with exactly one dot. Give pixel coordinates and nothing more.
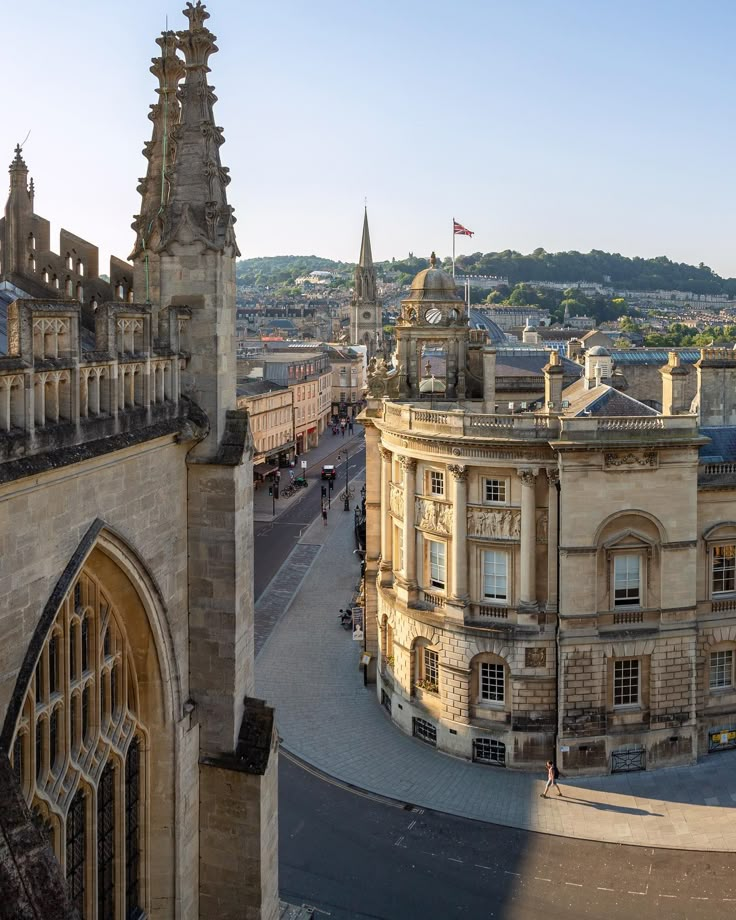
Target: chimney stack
(553, 382)
(674, 385)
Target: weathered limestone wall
(239, 834)
(221, 598)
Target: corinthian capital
(459, 473)
(386, 454)
(409, 464)
(553, 476)
(527, 477)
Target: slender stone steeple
(160, 152)
(366, 327)
(185, 247)
(18, 214)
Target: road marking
(506, 872)
(638, 892)
(478, 866)
(399, 842)
(453, 859)
(317, 910)
(411, 825)
(698, 899)
(674, 896)
(538, 878)
(574, 884)
(605, 889)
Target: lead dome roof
(433, 284)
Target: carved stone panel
(631, 460)
(496, 523)
(434, 516)
(542, 526)
(396, 500)
(535, 657)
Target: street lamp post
(347, 494)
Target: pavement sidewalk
(325, 452)
(308, 668)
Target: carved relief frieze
(542, 526)
(396, 500)
(433, 515)
(495, 523)
(631, 459)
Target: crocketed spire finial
(196, 13)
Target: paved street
(308, 668)
(275, 537)
(357, 858)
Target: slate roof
(250, 386)
(602, 400)
(656, 356)
(722, 448)
(528, 362)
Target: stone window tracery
(78, 752)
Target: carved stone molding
(396, 500)
(647, 459)
(459, 473)
(553, 476)
(496, 523)
(386, 454)
(408, 464)
(433, 516)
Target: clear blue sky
(570, 125)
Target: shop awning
(262, 470)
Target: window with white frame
(436, 564)
(491, 682)
(426, 666)
(721, 669)
(626, 680)
(495, 491)
(627, 580)
(723, 578)
(431, 665)
(495, 575)
(436, 482)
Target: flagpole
(453, 248)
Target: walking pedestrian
(350, 426)
(343, 431)
(553, 775)
(324, 516)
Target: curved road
(356, 857)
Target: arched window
(426, 666)
(83, 701)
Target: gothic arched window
(78, 752)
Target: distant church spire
(366, 257)
(366, 313)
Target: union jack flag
(459, 230)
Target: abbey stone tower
(366, 311)
(137, 771)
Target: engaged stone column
(528, 539)
(386, 519)
(553, 477)
(459, 557)
(409, 465)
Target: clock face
(366, 315)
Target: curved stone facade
(549, 585)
